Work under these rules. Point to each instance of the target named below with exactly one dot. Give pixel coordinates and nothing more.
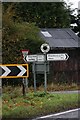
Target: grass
(60, 87)
(50, 87)
(35, 104)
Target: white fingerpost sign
(35, 58)
(31, 58)
(57, 57)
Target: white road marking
(61, 113)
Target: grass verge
(36, 104)
(0, 106)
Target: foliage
(75, 19)
(17, 36)
(48, 14)
(40, 94)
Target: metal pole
(45, 75)
(1, 85)
(34, 72)
(26, 84)
(23, 90)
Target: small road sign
(57, 57)
(45, 48)
(14, 71)
(40, 67)
(24, 54)
(35, 58)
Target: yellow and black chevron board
(14, 71)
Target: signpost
(14, 71)
(40, 61)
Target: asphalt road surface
(66, 92)
(71, 114)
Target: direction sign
(57, 57)
(14, 71)
(31, 58)
(35, 58)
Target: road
(66, 92)
(75, 113)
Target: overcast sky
(74, 2)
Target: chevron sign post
(14, 71)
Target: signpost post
(45, 76)
(25, 80)
(34, 75)
(45, 48)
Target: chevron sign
(14, 71)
